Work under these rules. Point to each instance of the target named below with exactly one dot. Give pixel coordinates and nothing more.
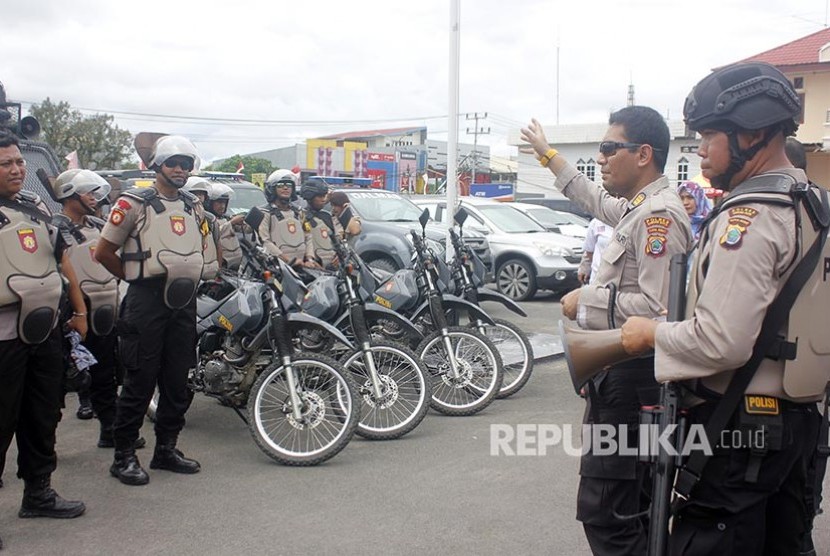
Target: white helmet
(282, 175)
(77, 182)
(173, 145)
(197, 184)
(220, 192)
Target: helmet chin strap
(738, 158)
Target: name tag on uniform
(761, 405)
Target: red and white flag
(72, 160)
(240, 167)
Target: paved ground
(436, 491)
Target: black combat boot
(85, 411)
(106, 440)
(41, 500)
(126, 468)
(168, 457)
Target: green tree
(100, 143)
(253, 165)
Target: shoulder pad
(188, 196)
(142, 194)
(95, 221)
(657, 203)
(28, 196)
(210, 217)
(61, 220)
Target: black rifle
(666, 416)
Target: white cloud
(365, 60)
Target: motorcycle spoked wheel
(329, 415)
(405, 391)
(516, 353)
(480, 373)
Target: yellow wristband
(545, 159)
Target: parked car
(564, 205)
(526, 257)
(565, 223)
(387, 218)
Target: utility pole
(475, 133)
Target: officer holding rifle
(746, 354)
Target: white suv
(526, 257)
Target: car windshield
(550, 217)
(245, 198)
(385, 207)
(510, 220)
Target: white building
(579, 144)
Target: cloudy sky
(278, 72)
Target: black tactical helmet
(748, 96)
(311, 189)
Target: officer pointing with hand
(161, 232)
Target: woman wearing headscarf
(696, 204)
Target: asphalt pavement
(438, 490)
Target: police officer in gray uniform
(281, 231)
(633, 279)
(219, 195)
(200, 187)
(319, 223)
(161, 232)
(31, 362)
(748, 498)
(80, 191)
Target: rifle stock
(665, 464)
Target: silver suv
(525, 256)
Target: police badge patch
(657, 228)
(116, 216)
(28, 240)
(292, 227)
(177, 225)
(739, 221)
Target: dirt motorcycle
(464, 365)
(302, 408)
(394, 388)
(514, 346)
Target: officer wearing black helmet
(746, 358)
(319, 223)
(281, 231)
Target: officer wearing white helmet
(31, 361)
(218, 197)
(161, 232)
(200, 186)
(319, 223)
(80, 192)
(282, 231)
(752, 350)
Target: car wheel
(516, 279)
(383, 263)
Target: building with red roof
(806, 62)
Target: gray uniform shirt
(744, 258)
(648, 230)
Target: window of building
(591, 169)
(682, 169)
(580, 166)
(798, 82)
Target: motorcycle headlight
(550, 250)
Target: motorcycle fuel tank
(322, 300)
(399, 292)
(239, 312)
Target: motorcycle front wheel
(516, 353)
(404, 388)
(479, 371)
(329, 411)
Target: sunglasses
(184, 163)
(283, 184)
(610, 147)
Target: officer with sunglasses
(161, 232)
(633, 279)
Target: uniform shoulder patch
(657, 231)
(116, 216)
(740, 218)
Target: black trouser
(31, 392)
(103, 388)
(613, 484)
(157, 347)
(726, 514)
